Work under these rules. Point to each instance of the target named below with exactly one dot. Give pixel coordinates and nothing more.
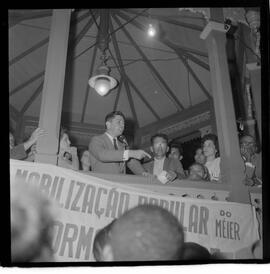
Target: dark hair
(161, 135)
(112, 114)
(213, 138)
(178, 146)
(101, 239)
(194, 251)
(147, 232)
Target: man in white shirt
(108, 154)
(160, 163)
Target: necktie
(115, 144)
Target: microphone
(123, 140)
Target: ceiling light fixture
(151, 31)
(102, 82)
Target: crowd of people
(110, 153)
(142, 233)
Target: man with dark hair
(176, 152)
(252, 160)
(194, 251)
(108, 154)
(198, 172)
(170, 167)
(145, 233)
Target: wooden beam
(175, 47)
(88, 87)
(37, 76)
(118, 93)
(167, 43)
(26, 83)
(14, 113)
(16, 16)
(23, 54)
(82, 33)
(172, 96)
(195, 77)
(32, 98)
(44, 41)
(123, 74)
(167, 20)
(143, 98)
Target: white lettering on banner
(88, 203)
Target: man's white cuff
(126, 155)
(249, 164)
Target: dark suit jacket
(105, 159)
(169, 165)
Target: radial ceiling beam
(46, 40)
(37, 76)
(123, 74)
(175, 47)
(26, 83)
(118, 93)
(172, 97)
(32, 98)
(162, 40)
(198, 81)
(143, 98)
(167, 20)
(16, 16)
(14, 113)
(23, 54)
(88, 87)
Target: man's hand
(37, 134)
(138, 154)
(171, 175)
(246, 153)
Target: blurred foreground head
(31, 224)
(145, 233)
(194, 251)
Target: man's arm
(177, 167)
(135, 166)
(96, 148)
(18, 152)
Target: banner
(87, 203)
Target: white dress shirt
(158, 166)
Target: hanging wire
(109, 34)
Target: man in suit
(173, 167)
(108, 154)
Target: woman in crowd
(85, 161)
(211, 152)
(19, 152)
(67, 156)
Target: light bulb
(151, 30)
(102, 86)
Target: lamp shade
(102, 83)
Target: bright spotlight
(151, 30)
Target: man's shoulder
(98, 137)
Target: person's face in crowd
(175, 153)
(11, 141)
(248, 143)
(116, 126)
(67, 156)
(85, 158)
(196, 172)
(209, 148)
(64, 142)
(199, 157)
(159, 147)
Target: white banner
(87, 203)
